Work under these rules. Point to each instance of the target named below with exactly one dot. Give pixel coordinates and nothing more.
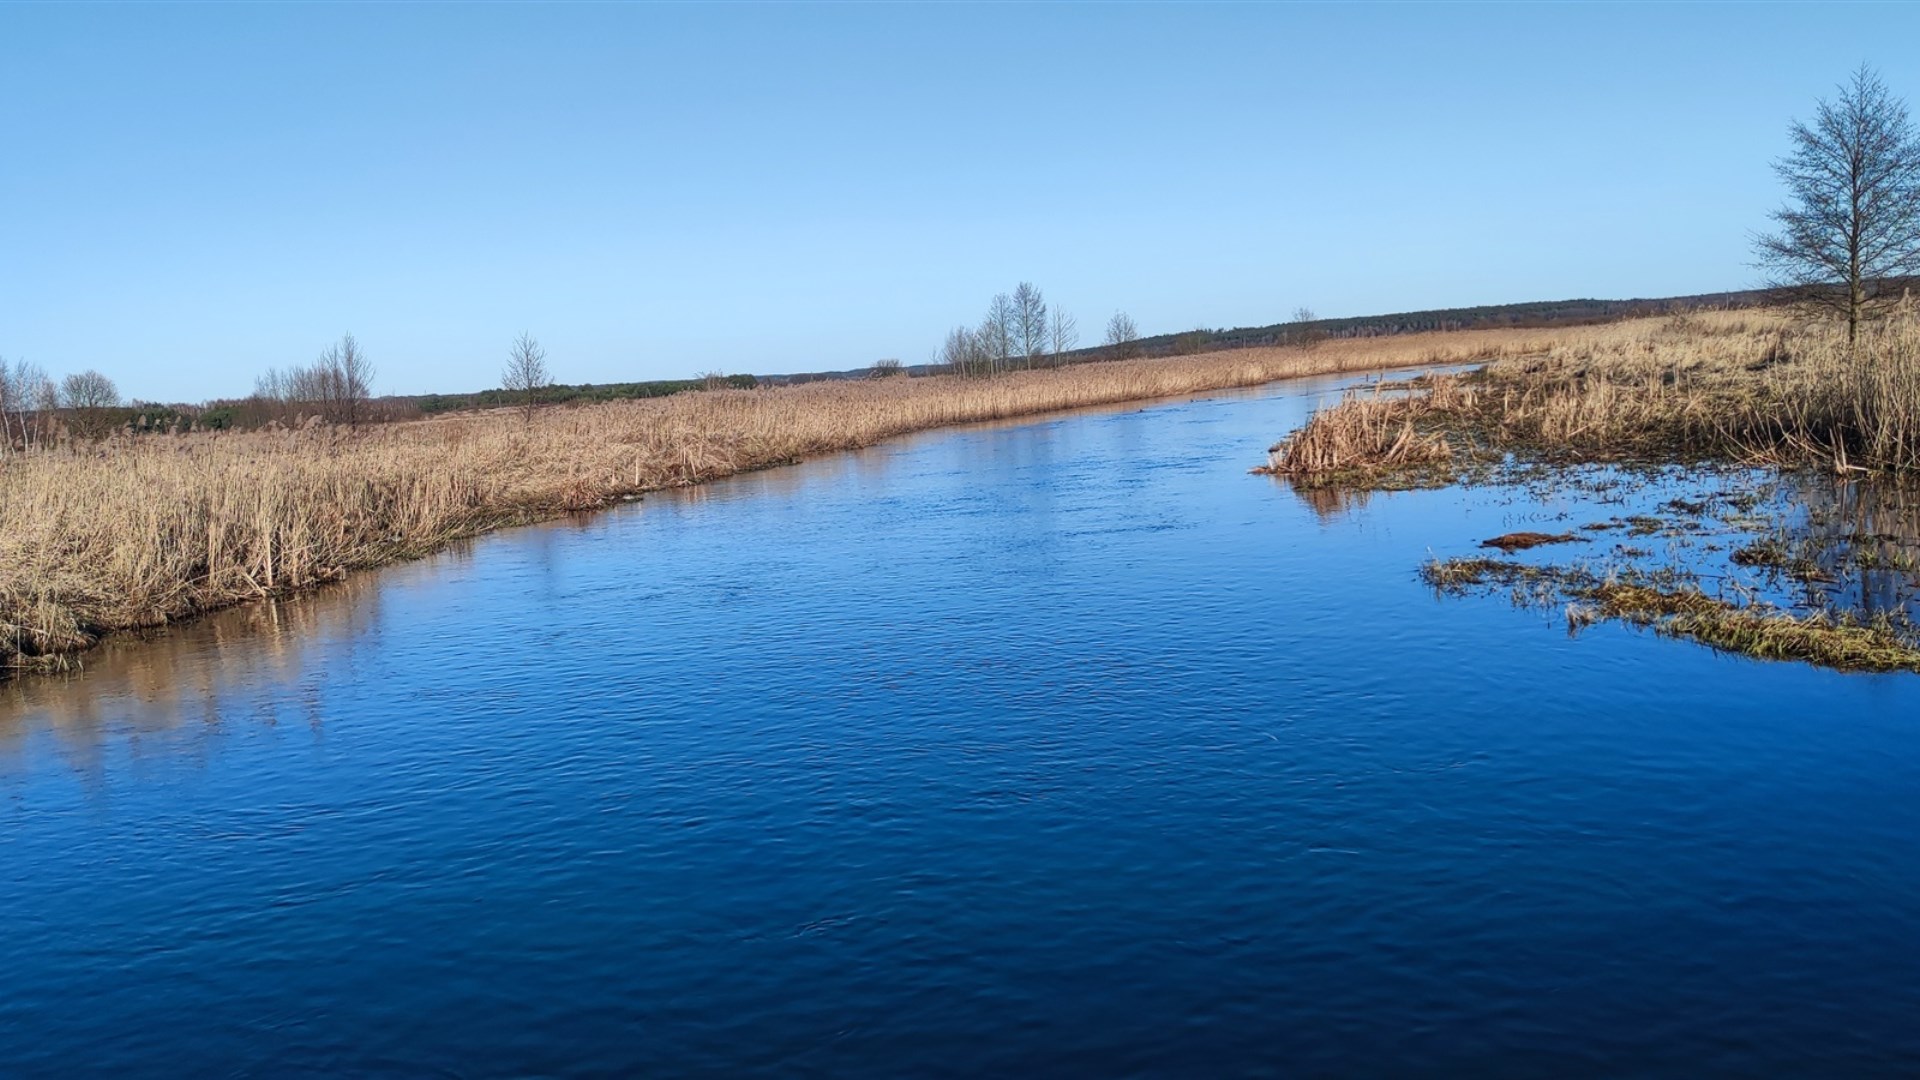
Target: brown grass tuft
(1672, 606)
(1363, 434)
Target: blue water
(1061, 747)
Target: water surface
(1062, 746)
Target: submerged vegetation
(1672, 604)
(135, 533)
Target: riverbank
(1715, 394)
(1751, 388)
(141, 533)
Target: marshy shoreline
(1734, 408)
(135, 534)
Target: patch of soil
(1520, 541)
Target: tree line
(1020, 332)
(36, 412)
(335, 389)
(33, 408)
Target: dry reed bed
(138, 534)
(1744, 388)
(1749, 388)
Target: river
(1062, 746)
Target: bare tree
(1029, 323)
(89, 390)
(316, 386)
(886, 369)
(1851, 227)
(337, 387)
(15, 393)
(1064, 334)
(526, 372)
(11, 410)
(352, 378)
(965, 354)
(1304, 332)
(996, 332)
(88, 396)
(1122, 337)
(27, 411)
(1015, 327)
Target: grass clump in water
(1361, 441)
(1669, 602)
(1521, 541)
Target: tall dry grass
(1752, 388)
(141, 533)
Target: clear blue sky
(192, 193)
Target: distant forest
(563, 393)
(1539, 313)
(260, 409)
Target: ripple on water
(1050, 746)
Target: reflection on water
(1057, 746)
(1866, 537)
(189, 676)
(181, 678)
(1327, 503)
(1800, 542)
